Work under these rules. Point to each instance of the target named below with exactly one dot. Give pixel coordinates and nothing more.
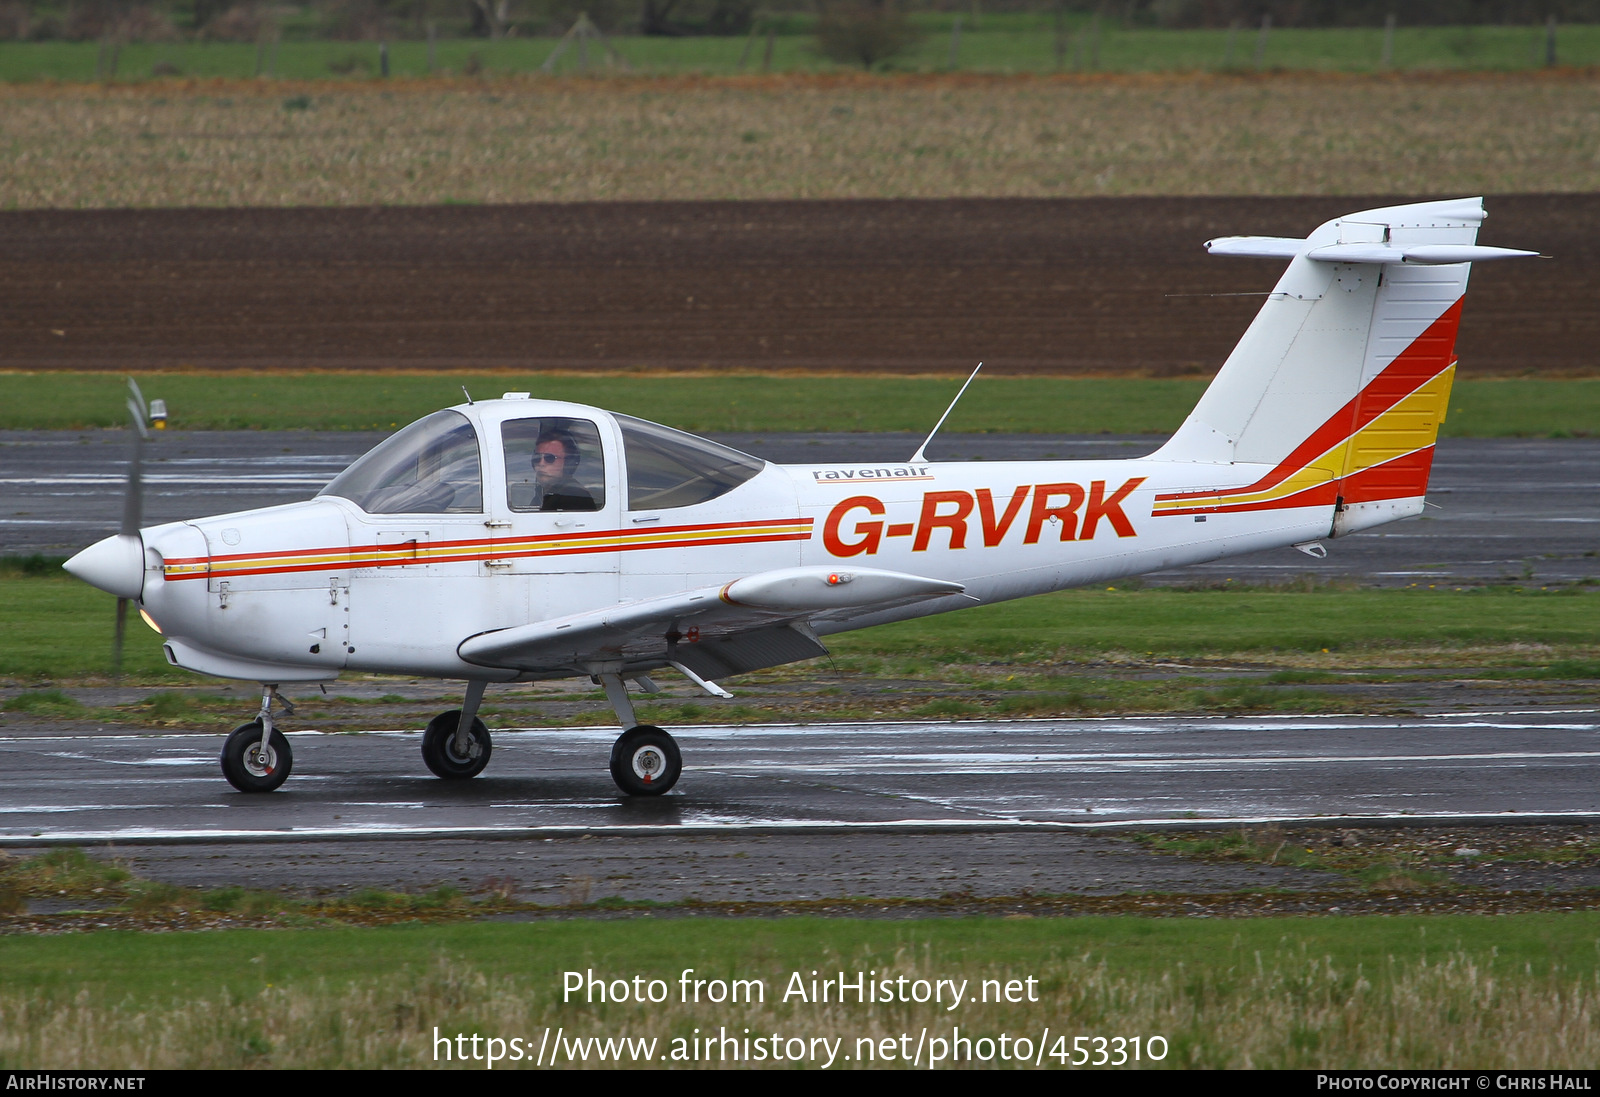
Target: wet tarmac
(909, 811)
(967, 776)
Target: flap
(752, 622)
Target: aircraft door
(553, 521)
(414, 588)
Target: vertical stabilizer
(1340, 384)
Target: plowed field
(1063, 286)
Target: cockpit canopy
(551, 463)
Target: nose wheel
(645, 761)
(256, 757)
(255, 763)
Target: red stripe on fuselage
(485, 548)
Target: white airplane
(521, 539)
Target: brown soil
(1066, 286)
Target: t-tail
(1335, 394)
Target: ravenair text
(800, 988)
(961, 519)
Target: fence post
(749, 44)
(1387, 61)
(1550, 42)
(383, 59)
(955, 42)
(1261, 38)
(772, 40)
(433, 45)
(1061, 33)
(1233, 40)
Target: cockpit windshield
(668, 468)
(431, 467)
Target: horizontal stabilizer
(759, 612)
(1428, 255)
(1283, 247)
(1256, 247)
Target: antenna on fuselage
(467, 394)
(919, 456)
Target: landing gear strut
(456, 744)
(256, 757)
(645, 761)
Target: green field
(1515, 991)
(384, 401)
(1002, 43)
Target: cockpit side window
(553, 463)
(668, 468)
(430, 467)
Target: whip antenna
(919, 456)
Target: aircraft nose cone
(115, 565)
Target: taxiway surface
(969, 775)
(794, 813)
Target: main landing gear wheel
(645, 761)
(440, 753)
(248, 767)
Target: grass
(1172, 622)
(995, 43)
(61, 629)
(521, 139)
(1375, 866)
(743, 402)
(1514, 991)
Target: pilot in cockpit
(555, 461)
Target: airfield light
(158, 414)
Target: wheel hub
(260, 761)
(648, 762)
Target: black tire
(440, 756)
(244, 765)
(645, 761)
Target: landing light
(151, 621)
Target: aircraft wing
(761, 620)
